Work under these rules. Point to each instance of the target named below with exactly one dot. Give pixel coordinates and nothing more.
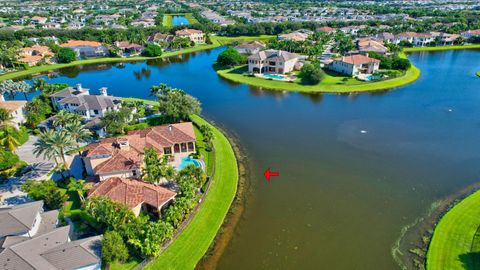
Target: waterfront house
(137, 195)
(159, 37)
(423, 39)
(272, 61)
(16, 109)
(250, 47)
(470, 33)
(194, 35)
(123, 156)
(404, 36)
(354, 65)
(128, 48)
(35, 54)
(86, 49)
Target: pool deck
(286, 78)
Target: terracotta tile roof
(12, 105)
(326, 29)
(132, 192)
(407, 34)
(130, 157)
(357, 59)
(187, 32)
(76, 43)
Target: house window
(95, 111)
(184, 147)
(191, 147)
(134, 173)
(176, 148)
(167, 150)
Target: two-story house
(86, 49)
(194, 35)
(272, 61)
(355, 65)
(16, 109)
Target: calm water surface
(179, 20)
(354, 169)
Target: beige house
(17, 111)
(123, 156)
(137, 195)
(272, 61)
(194, 35)
(35, 54)
(355, 65)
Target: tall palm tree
(78, 133)
(9, 139)
(79, 187)
(39, 84)
(155, 90)
(54, 142)
(64, 118)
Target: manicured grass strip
(193, 242)
(125, 266)
(452, 241)
(442, 48)
(216, 42)
(167, 21)
(331, 84)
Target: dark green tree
(66, 55)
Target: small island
(306, 61)
(478, 74)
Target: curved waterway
(354, 169)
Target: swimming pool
(274, 76)
(188, 161)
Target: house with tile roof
(16, 109)
(137, 195)
(86, 49)
(272, 61)
(35, 54)
(194, 35)
(250, 47)
(366, 45)
(354, 65)
(123, 156)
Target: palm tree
(79, 187)
(155, 90)
(12, 88)
(39, 84)
(55, 143)
(64, 118)
(78, 133)
(9, 139)
(5, 118)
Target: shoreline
(411, 248)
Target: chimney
(103, 91)
(2, 98)
(123, 143)
(79, 87)
(170, 128)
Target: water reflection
(143, 73)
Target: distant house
(86, 49)
(52, 25)
(352, 30)
(123, 156)
(143, 22)
(272, 61)
(385, 37)
(366, 45)
(159, 37)
(250, 47)
(354, 65)
(38, 20)
(447, 39)
(294, 36)
(326, 29)
(35, 54)
(194, 35)
(423, 39)
(17, 111)
(470, 33)
(128, 48)
(405, 36)
(137, 195)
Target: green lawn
(193, 242)
(167, 19)
(332, 83)
(216, 42)
(453, 246)
(125, 266)
(442, 48)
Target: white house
(16, 108)
(470, 33)
(354, 65)
(272, 61)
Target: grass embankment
(455, 243)
(442, 48)
(332, 83)
(216, 42)
(167, 19)
(193, 242)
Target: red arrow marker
(269, 174)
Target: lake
(179, 20)
(354, 169)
